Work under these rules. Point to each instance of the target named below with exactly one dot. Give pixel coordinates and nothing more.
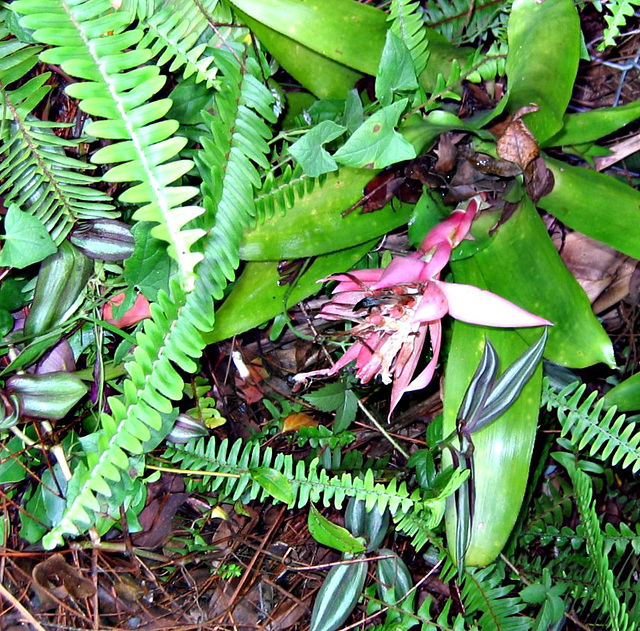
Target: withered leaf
(538, 180)
(54, 576)
(517, 144)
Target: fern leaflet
(35, 170)
(616, 613)
(91, 41)
(408, 24)
(602, 435)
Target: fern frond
(172, 338)
(601, 434)
(91, 41)
(278, 194)
(175, 36)
(35, 171)
(482, 592)
(407, 22)
(309, 484)
(615, 612)
(618, 12)
(464, 21)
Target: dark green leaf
(149, 267)
(328, 398)
(346, 412)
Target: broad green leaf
(502, 451)
(538, 281)
(320, 75)
(11, 455)
(544, 50)
(396, 73)
(26, 240)
(274, 483)
(342, 30)
(345, 31)
(328, 534)
(309, 152)
(325, 229)
(346, 413)
(189, 100)
(626, 395)
(256, 296)
(595, 204)
(376, 143)
(589, 126)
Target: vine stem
(382, 430)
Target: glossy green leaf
(376, 143)
(544, 49)
(345, 31)
(502, 451)
(320, 75)
(626, 395)
(256, 296)
(274, 483)
(309, 152)
(315, 225)
(320, 24)
(589, 126)
(396, 74)
(539, 282)
(328, 534)
(26, 240)
(595, 204)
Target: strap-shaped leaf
(92, 41)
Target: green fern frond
(618, 12)
(91, 41)
(35, 171)
(407, 22)
(176, 36)
(600, 434)
(172, 338)
(278, 194)
(464, 21)
(482, 592)
(608, 600)
(309, 484)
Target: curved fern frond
(37, 174)
(407, 22)
(175, 36)
(278, 194)
(464, 21)
(309, 483)
(172, 338)
(618, 12)
(601, 434)
(91, 41)
(481, 592)
(607, 601)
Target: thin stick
(26, 616)
(382, 430)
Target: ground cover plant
(298, 314)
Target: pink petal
(401, 271)
(478, 306)
(433, 304)
(354, 281)
(439, 258)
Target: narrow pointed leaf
(331, 535)
(481, 383)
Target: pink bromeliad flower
(395, 308)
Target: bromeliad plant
(181, 118)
